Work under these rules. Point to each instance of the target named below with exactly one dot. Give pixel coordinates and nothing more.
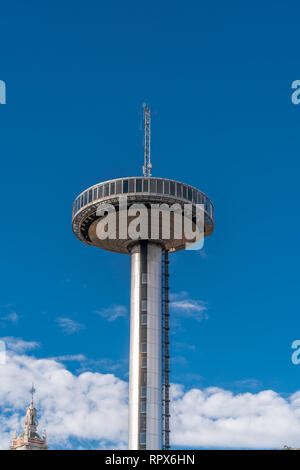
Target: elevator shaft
(145, 369)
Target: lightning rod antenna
(147, 139)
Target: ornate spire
(30, 439)
(32, 391)
(30, 425)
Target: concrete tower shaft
(145, 375)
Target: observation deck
(138, 190)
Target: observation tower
(108, 215)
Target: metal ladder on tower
(165, 353)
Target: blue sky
(218, 78)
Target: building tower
(30, 439)
(120, 200)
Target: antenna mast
(147, 135)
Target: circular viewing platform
(139, 190)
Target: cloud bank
(86, 407)
(89, 410)
(216, 418)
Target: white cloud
(18, 345)
(113, 312)
(216, 418)
(70, 358)
(87, 407)
(91, 408)
(87, 364)
(181, 345)
(188, 307)
(12, 317)
(68, 325)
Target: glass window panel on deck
(106, 190)
(160, 186)
(119, 187)
(190, 194)
(153, 186)
(125, 186)
(166, 187)
(145, 186)
(207, 205)
(131, 186)
(172, 188)
(179, 190)
(139, 185)
(184, 192)
(112, 188)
